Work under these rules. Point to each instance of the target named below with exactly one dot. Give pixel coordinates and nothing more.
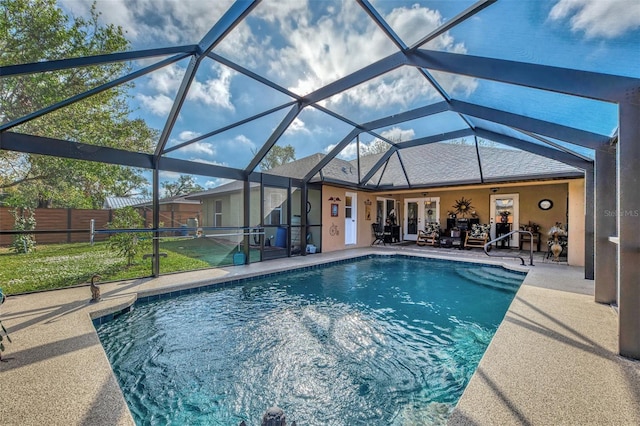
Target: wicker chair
(478, 236)
(430, 235)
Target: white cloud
(187, 135)
(320, 51)
(202, 148)
(157, 22)
(242, 140)
(213, 183)
(317, 49)
(396, 134)
(348, 153)
(203, 161)
(214, 91)
(158, 104)
(165, 175)
(297, 127)
(598, 18)
(166, 80)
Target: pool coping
(100, 317)
(57, 359)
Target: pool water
(380, 341)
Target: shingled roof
(437, 164)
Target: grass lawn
(63, 265)
(213, 251)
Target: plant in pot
(556, 242)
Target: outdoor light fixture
(495, 189)
(338, 199)
(331, 199)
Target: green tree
(185, 184)
(127, 244)
(38, 30)
(277, 156)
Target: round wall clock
(545, 204)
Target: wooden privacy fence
(69, 221)
(63, 220)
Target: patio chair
(430, 235)
(478, 236)
(378, 233)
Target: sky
(304, 45)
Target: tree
(277, 156)
(377, 146)
(185, 184)
(38, 30)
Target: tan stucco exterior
(576, 223)
(567, 197)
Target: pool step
(486, 277)
(501, 274)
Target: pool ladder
(502, 237)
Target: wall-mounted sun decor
(463, 206)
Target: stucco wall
(333, 227)
(576, 223)
(563, 199)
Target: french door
(505, 217)
(417, 213)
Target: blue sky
(304, 45)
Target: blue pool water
(380, 341)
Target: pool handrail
(502, 237)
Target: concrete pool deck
(552, 361)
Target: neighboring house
(174, 211)
(112, 203)
(494, 178)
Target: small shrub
(23, 221)
(127, 244)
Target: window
(385, 209)
(217, 215)
(274, 213)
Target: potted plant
(556, 243)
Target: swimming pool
(378, 341)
